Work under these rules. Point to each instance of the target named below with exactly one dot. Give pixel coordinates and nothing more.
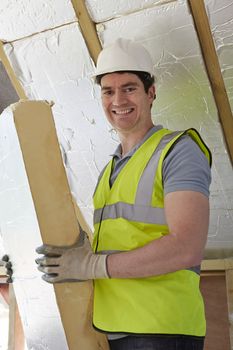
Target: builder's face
(126, 104)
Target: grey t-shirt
(185, 167)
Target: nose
(118, 98)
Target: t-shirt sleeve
(186, 168)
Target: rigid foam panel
(36, 205)
(21, 18)
(103, 10)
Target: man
(151, 219)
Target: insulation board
(21, 18)
(103, 10)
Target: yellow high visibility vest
(128, 216)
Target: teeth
(125, 111)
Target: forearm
(161, 256)
(187, 216)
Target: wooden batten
(217, 265)
(56, 215)
(88, 29)
(210, 57)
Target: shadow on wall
(8, 94)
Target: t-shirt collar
(149, 133)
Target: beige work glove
(71, 263)
(5, 261)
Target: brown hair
(145, 78)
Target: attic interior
(48, 51)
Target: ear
(151, 93)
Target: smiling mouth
(122, 111)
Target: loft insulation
(103, 10)
(19, 19)
(220, 18)
(36, 205)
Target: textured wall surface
(103, 10)
(21, 18)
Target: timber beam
(201, 22)
(88, 29)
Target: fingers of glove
(8, 266)
(48, 261)
(5, 258)
(50, 278)
(49, 269)
(50, 250)
(83, 237)
(54, 278)
(9, 272)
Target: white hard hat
(124, 55)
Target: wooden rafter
(201, 22)
(217, 264)
(88, 28)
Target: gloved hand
(5, 261)
(72, 263)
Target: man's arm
(187, 214)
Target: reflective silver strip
(132, 212)
(146, 182)
(141, 211)
(196, 269)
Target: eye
(107, 92)
(130, 89)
